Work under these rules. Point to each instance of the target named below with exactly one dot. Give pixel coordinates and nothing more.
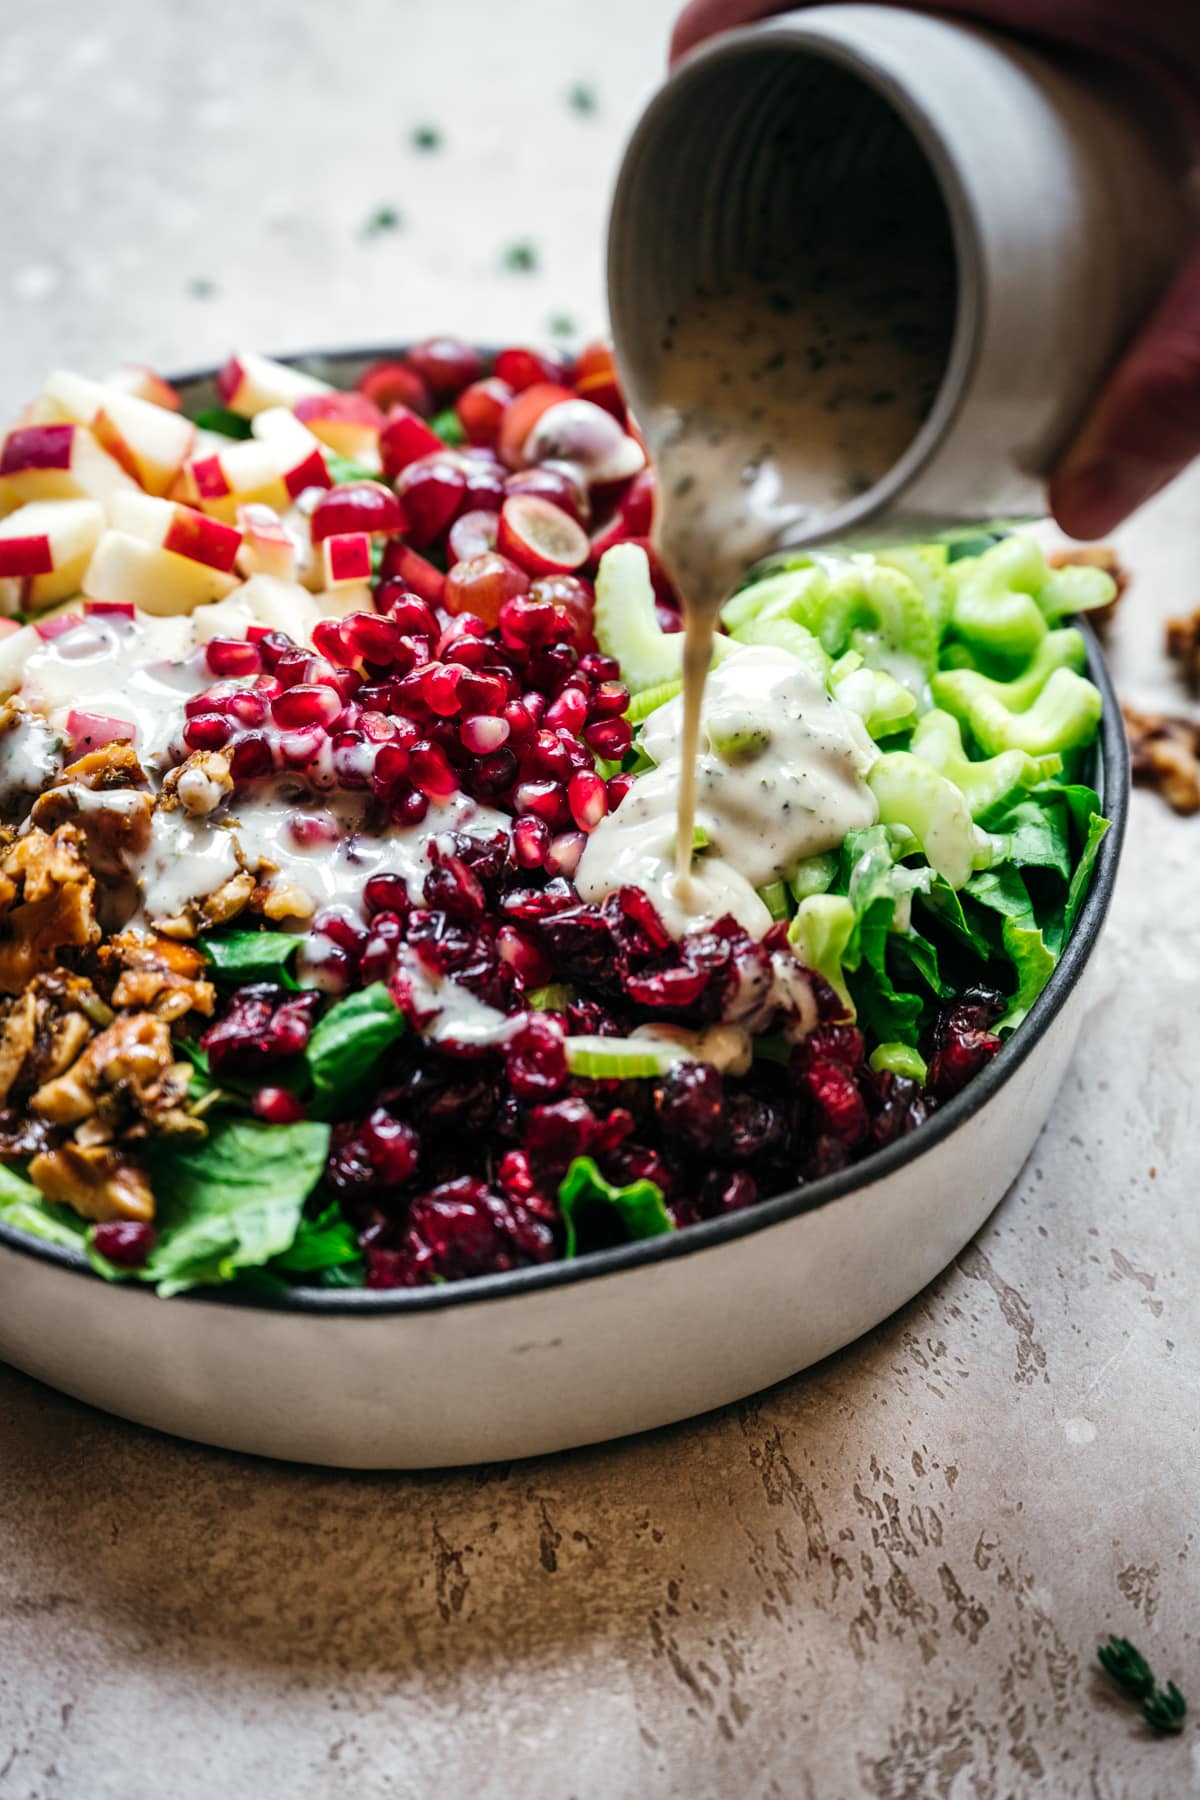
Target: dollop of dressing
(779, 776)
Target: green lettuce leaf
(325, 1242)
(1082, 878)
(1034, 963)
(220, 419)
(348, 1042)
(600, 1214)
(248, 955)
(23, 1207)
(231, 1202)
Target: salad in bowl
(338, 751)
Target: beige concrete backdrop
(885, 1578)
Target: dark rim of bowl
(1112, 783)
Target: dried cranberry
(259, 1025)
(535, 1059)
(840, 1108)
(125, 1242)
(690, 1102)
(556, 1133)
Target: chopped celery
(899, 1059)
(787, 635)
(937, 740)
(882, 702)
(776, 899)
(627, 627)
(815, 875)
(618, 1059)
(1063, 716)
(555, 997)
(820, 934)
(995, 605)
(927, 567)
(650, 699)
(911, 793)
(1074, 589)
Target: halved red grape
(446, 364)
(541, 537)
(431, 491)
(472, 534)
(356, 506)
(391, 384)
(482, 584)
(481, 407)
(521, 417)
(404, 438)
(521, 368)
(551, 484)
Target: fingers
(1145, 428)
(702, 18)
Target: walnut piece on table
(1183, 647)
(1095, 556)
(1165, 755)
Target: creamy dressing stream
(780, 402)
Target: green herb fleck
(582, 98)
(521, 257)
(384, 218)
(562, 325)
(1164, 1709)
(426, 137)
(201, 288)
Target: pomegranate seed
(527, 624)
(376, 638)
(520, 721)
(391, 384)
(547, 800)
(445, 364)
(454, 889)
(439, 688)
(249, 708)
(352, 759)
(407, 611)
(411, 808)
(276, 1106)
(618, 787)
(307, 704)
(251, 757)
(300, 749)
(402, 563)
(430, 772)
(482, 734)
(540, 537)
(565, 852)
(587, 796)
(493, 774)
(207, 731)
(609, 701)
(472, 534)
(552, 484)
(431, 491)
(569, 712)
(481, 407)
(356, 506)
(479, 692)
(320, 963)
(599, 669)
(386, 936)
(385, 893)
(531, 841)
(124, 1242)
(575, 597)
(232, 656)
(405, 438)
(468, 652)
(535, 705)
(331, 641)
(482, 585)
(609, 738)
(389, 767)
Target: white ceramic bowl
(571, 1353)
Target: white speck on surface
(34, 282)
(1079, 1431)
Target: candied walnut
(95, 1181)
(131, 1055)
(198, 785)
(216, 908)
(115, 822)
(1183, 646)
(1095, 556)
(1165, 755)
(45, 1029)
(114, 765)
(47, 897)
(283, 900)
(157, 974)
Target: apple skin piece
(151, 443)
(44, 549)
(346, 558)
(144, 384)
(268, 547)
(237, 475)
(299, 457)
(158, 581)
(59, 462)
(183, 530)
(250, 384)
(347, 423)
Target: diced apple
(150, 442)
(59, 462)
(348, 423)
(144, 384)
(16, 647)
(346, 558)
(299, 457)
(44, 550)
(249, 384)
(181, 529)
(262, 600)
(268, 547)
(125, 568)
(238, 474)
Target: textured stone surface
(885, 1578)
